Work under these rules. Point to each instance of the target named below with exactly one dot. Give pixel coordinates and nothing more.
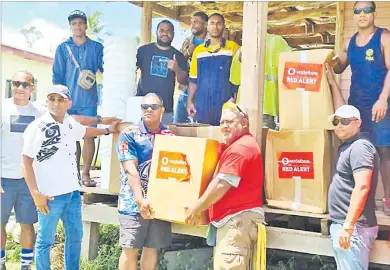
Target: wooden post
(340, 18)
(89, 244)
(253, 56)
(146, 23)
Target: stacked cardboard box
(299, 157)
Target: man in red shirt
(234, 196)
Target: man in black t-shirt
(351, 197)
(160, 63)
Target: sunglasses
(153, 106)
(24, 84)
(343, 121)
(59, 100)
(366, 10)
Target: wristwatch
(98, 119)
(348, 226)
(107, 131)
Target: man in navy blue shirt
(77, 54)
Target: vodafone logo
(291, 71)
(164, 161)
(286, 161)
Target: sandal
(88, 182)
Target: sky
(121, 19)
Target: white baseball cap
(62, 90)
(345, 111)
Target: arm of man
(92, 120)
(362, 161)
(181, 69)
(343, 62)
(228, 177)
(59, 67)
(93, 132)
(379, 110)
(128, 157)
(337, 97)
(31, 146)
(100, 58)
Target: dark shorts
(379, 133)
(137, 232)
(85, 112)
(17, 195)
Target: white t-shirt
(53, 147)
(14, 120)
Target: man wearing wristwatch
(17, 113)
(351, 198)
(54, 181)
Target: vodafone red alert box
(305, 100)
(298, 169)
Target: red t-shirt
(242, 159)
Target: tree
(94, 26)
(31, 35)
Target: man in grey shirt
(351, 198)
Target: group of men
(42, 141)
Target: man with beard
(75, 57)
(209, 86)
(160, 63)
(137, 229)
(368, 53)
(199, 32)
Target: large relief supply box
(305, 99)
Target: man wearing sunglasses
(234, 196)
(137, 228)
(351, 197)
(76, 55)
(368, 53)
(51, 173)
(17, 113)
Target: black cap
(77, 14)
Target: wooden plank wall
(382, 20)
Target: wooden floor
(282, 238)
(382, 219)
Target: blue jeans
(358, 255)
(180, 115)
(66, 207)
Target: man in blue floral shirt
(137, 228)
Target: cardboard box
(305, 100)
(180, 172)
(298, 169)
(198, 131)
(110, 163)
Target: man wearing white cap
(53, 181)
(351, 198)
